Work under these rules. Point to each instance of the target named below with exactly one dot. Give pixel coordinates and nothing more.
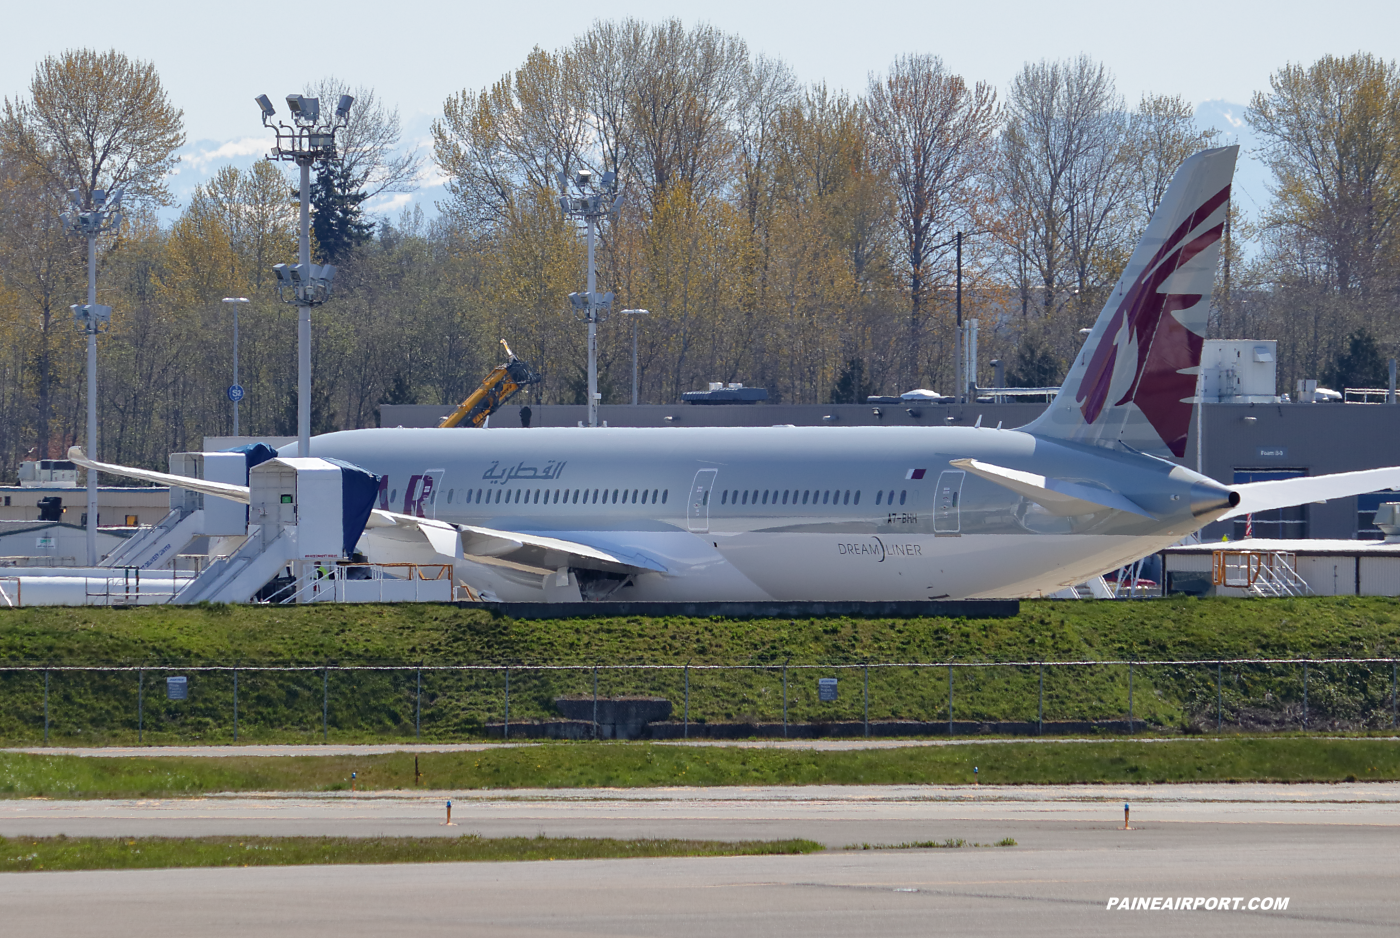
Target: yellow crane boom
(496, 389)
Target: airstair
(192, 514)
(1259, 572)
(296, 515)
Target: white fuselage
(779, 513)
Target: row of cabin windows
(560, 496)
(809, 496)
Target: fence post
(418, 706)
(595, 701)
(1392, 695)
(950, 700)
(235, 705)
(685, 732)
(505, 727)
(785, 730)
(46, 706)
(1040, 719)
(1219, 701)
(867, 699)
(325, 702)
(1305, 695)
(140, 705)
(1130, 697)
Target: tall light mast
(591, 307)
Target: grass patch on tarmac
(641, 765)
(25, 854)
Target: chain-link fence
(104, 705)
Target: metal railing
(99, 703)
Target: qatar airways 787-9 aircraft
(852, 513)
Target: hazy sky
(214, 57)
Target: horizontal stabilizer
(1286, 493)
(1054, 495)
(237, 493)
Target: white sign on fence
(826, 688)
(177, 688)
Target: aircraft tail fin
(1134, 381)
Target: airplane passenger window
(537, 496)
(575, 501)
(653, 496)
(556, 496)
(595, 496)
(664, 494)
(847, 499)
(785, 496)
(644, 496)
(765, 496)
(826, 497)
(449, 495)
(706, 499)
(724, 497)
(805, 493)
(478, 496)
(614, 496)
(634, 496)
(498, 496)
(891, 498)
(879, 497)
(393, 496)
(746, 497)
(857, 496)
(755, 496)
(901, 496)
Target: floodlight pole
(102, 217)
(304, 318)
(92, 397)
(593, 307)
(307, 140)
(592, 330)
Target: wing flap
(1054, 495)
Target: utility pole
(307, 140)
(962, 384)
(633, 314)
(592, 307)
(235, 390)
(102, 216)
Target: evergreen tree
(1034, 366)
(1361, 365)
(852, 387)
(336, 217)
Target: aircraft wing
(1286, 493)
(237, 493)
(541, 552)
(1054, 495)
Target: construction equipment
(499, 386)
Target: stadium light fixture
(306, 140)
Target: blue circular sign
(235, 393)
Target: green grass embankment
(368, 706)
(28, 854)
(587, 765)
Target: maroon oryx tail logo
(1143, 324)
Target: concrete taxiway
(1332, 849)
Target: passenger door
(697, 511)
(947, 514)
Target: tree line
(784, 235)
